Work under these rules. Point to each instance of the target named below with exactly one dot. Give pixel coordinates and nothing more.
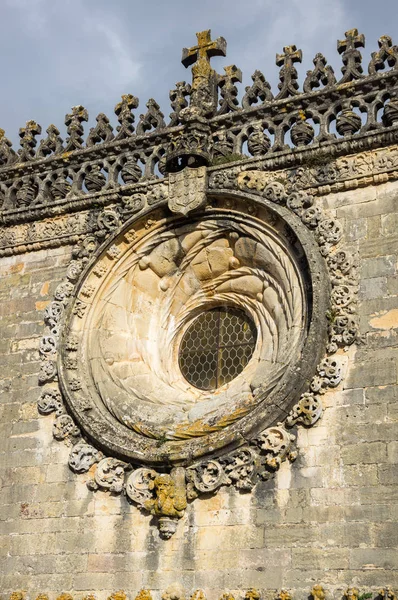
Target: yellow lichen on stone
(144, 595)
(119, 595)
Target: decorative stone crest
(187, 190)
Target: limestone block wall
(331, 517)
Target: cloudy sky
(59, 53)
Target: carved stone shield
(187, 190)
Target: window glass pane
(216, 347)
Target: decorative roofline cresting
(331, 116)
(235, 172)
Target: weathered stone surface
(328, 518)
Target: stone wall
(331, 517)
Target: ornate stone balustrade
(329, 116)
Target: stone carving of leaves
(79, 309)
(83, 456)
(329, 232)
(48, 345)
(207, 477)
(63, 291)
(48, 371)
(307, 411)
(74, 269)
(241, 468)
(275, 192)
(298, 201)
(276, 445)
(342, 296)
(311, 217)
(139, 485)
(50, 401)
(109, 475)
(64, 427)
(53, 312)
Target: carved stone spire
(259, 90)
(102, 132)
(229, 91)
(52, 144)
(352, 57)
(178, 101)
(125, 116)
(322, 73)
(387, 53)
(288, 74)
(73, 122)
(7, 155)
(28, 140)
(204, 78)
(153, 119)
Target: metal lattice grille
(217, 347)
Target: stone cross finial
(28, 140)
(288, 75)
(203, 51)
(290, 56)
(204, 81)
(352, 40)
(352, 58)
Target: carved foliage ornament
(111, 355)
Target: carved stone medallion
(142, 292)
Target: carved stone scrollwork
(109, 475)
(64, 427)
(139, 485)
(276, 444)
(241, 468)
(83, 456)
(50, 401)
(306, 412)
(329, 375)
(205, 478)
(48, 371)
